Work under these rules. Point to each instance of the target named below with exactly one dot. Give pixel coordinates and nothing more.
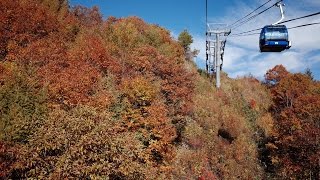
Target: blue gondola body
(274, 38)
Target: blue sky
(242, 54)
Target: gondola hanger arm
(280, 5)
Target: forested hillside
(87, 98)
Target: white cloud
(199, 43)
(242, 54)
(232, 54)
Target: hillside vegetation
(87, 98)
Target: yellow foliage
(266, 123)
(139, 91)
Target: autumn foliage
(84, 97)
(294, 149)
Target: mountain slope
(83, 97)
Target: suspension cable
(249, 13)
(254, 16)
(247, 31)
(300, 17)
(293, 19)
(303, 25)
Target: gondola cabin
(274, 38)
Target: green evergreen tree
(308, 72)
(185, 39)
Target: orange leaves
(124, 68)
(140, 94)
(75, 83)
(91, 49)
(296, 108)
(142, 51)
(149, 51)
(6, 72)
(82, 143)
(126, 33)
(88, 17)
(147, 113)
(142, 59)
(43, 52)
(290, 89)
(23, 22)
(70, 81)
(274, 75)
(177, 85)
(139, 91)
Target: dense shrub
(22, 104)
(294, 148)
(219, 142)
(87, 98)
(82, 143)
